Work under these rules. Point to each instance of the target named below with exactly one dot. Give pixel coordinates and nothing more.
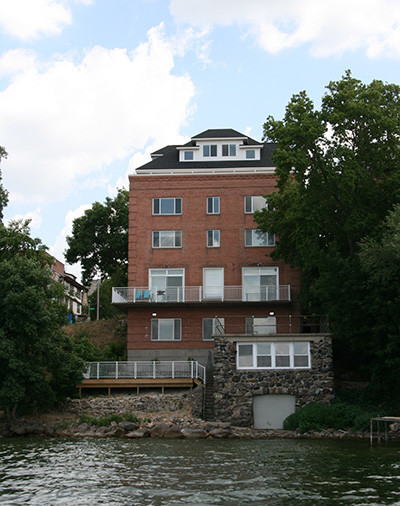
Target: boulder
(189, 432)
(139, 433)
(173, 432)
(159, 430)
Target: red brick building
(198, 266)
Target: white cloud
(30, 19)
(35, 218)
(329, 27)
(60, 245)
(62, 120)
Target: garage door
(270, 411)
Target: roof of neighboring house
(168, 156)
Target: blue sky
(89, 88)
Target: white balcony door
(213, 283)
(260, 283)
(167, 285)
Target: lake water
(220, 472)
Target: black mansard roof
(168, 156)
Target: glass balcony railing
(143, 295)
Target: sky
(89, 88)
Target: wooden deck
(138, 383)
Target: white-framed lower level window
(213, 239)
(166, 329)
(212, 326)
(274, 355)
(255, 237)
(167, 239)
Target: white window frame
(214, 204)
(212, 150)
(259, 272)
(251, 199)
(213, 239)
(255, 235)
(188, 156)
(160, 199)
(177, 238)
(216, 323)
(230, 150)
(220, 294)
(166, 322)
(250, 154)
(274, 354)
(175, 296)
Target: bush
(335, 416)
(105, 421)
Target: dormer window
(250, 153)
(188, 155)
(228, 149)
(209, 150)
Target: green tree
(106, 309)
(37, 364)
(99, 239)
(338, 174)
(380, 262)
(3, 192)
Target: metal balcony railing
(133, 295)
(146, 369)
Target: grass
(105, 421)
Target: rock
(139, 433)
(218, 433)
(173, 432)
(128, 426)
(83, 427)
(159, 430)
(188, 432)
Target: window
(252, 204)
(250, 153)
(228, 149)
(261, 325)
(210, 150)
(260, 283)
(213, 283)
(166, 285)
(166, 329)
(212, 205)
(256, 237)
(213, 239)
(167, 206)
(212, 326)
(273, 355)
(188, 155)
(167, 239)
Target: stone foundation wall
(185, 401)
(234, 389)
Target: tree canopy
(99, 240)
(3, 192)
(338, 177)
(38, 363)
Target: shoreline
(174, 429)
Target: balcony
(199, 294)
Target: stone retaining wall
(190, 402)
(234, 389)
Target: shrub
(105, 421)
(335, 416)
